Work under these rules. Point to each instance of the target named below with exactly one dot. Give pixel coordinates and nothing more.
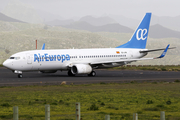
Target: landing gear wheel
(70, 73)
(93, 73)
(20, 75)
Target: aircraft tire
(92, 74)
(20, 75)
(70, 73)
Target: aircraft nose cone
(6, 64)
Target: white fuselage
(61, 59)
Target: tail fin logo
(139, 38)
(141, 34)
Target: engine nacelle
(81, 69)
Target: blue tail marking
(43, 47)
(140, 36)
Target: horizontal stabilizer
(146, 51)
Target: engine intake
(81, 69)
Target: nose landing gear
(20, 75)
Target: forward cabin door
(29, 58)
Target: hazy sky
(129, 8)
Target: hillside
(8, 19)
(115, 27)
(99, 21)
(59, 22)
(21, 11)
(167, 21)
(16, 37)
(155, 31)
(158, 31)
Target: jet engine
(81, 69)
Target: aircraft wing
(132, 60)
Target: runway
(8, 78)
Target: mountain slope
(158, 31)
(105, 28)
(98, 21)
(8, 19)
(60, 22)
(166, 21)
(16, 37)
(21, 11)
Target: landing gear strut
(93, 73)
(19, 73)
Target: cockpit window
(11, 57)
(16, 58)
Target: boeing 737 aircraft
(84, 61)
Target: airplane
(84, 61)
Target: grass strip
(97, 100)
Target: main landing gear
(19, 73)
(70, 73)
(92, 74)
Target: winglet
(164, 53)
(43, 47)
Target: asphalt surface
(8, 78)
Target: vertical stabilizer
(140, 36)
